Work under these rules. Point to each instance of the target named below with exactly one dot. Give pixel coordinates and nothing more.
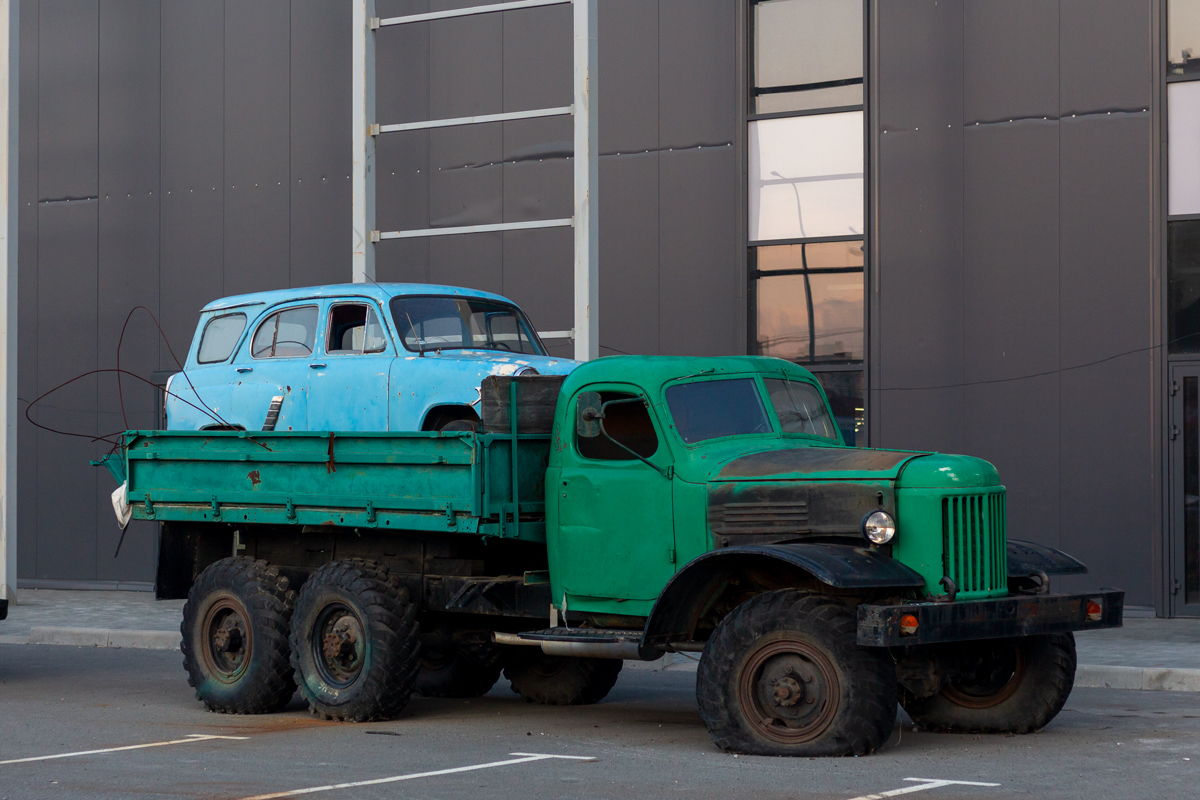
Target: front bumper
(1000, 618)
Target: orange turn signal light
(1094, 610)
(908, 625)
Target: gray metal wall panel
(27, 295)
(403, 261)
(475, 260)
(402, 183)
(628, 57)
(66, 348)
(700, 290)
(320, 160)
(1011, 325)
(67, 100)
(1108, 296)
(466, 175)
(539, 277)
(919, 299)
(538, 48)
(257, 143)
(466, 75)
(1106, 59)
(1011, 59)
(538, 170)
(697, 74)
(127, 252)
(629, 251)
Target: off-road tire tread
(270, 602)
(392, 621)
(581, 681)
(1051, 679)
(866, 724)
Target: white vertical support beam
(363, 112)
(10, 33)
(587, 183)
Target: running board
(582, 642)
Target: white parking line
(192, 737)
(925, 783)
(524, 758)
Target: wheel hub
(339, 641)
(227, 640)
(789, 691)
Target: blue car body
(337, 358)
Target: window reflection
(809, 305)
(807, 54)
(1183, 274)
(1183, 37)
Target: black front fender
(688, 594)
(1030, 558)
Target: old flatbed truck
(640, 506)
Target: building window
(807, 54)
(805, 194)
(1183, 37)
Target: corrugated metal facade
(204, 149)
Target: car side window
(219, 337)
(290, 333)
(354, 328)
(628, 421)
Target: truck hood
(815, 463)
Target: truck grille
(973, 542)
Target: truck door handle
(245, 369)
(316, 366)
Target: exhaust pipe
(626, 651)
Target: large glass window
(1183, 276)
(807, 54)
(806, 176)
(1183, 147)
(220, 336)
(711, 409)
(1183, 37)
(809, 302)
(805, 194)
(457, 323)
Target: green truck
(638, 507)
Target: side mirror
(588, 414)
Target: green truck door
(617, 538)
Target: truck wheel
(354, 642)
(1000, 686)
(235, 637)
(561, 680)
(783, 675)
(463, 671)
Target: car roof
(383, 292)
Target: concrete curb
(1154, 679)
(1087, 676)
(104, 637)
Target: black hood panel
(815, 463)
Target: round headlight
(527, 371)
(878, 527)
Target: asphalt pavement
(86, 722)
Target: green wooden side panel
(453, 482)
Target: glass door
(1184, 437)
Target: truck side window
(290, 333)
(629, 424)
(354, 328)
(220, 335)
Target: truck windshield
(462, 323)
(711, 409)
(800, 408)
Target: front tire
(235, 637)
(783, 675)
(354, 642)
(1000, 686)
(561, 680)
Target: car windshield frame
(400, 322)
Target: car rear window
(220, 336)
(712, 409)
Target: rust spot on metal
(255, 477)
